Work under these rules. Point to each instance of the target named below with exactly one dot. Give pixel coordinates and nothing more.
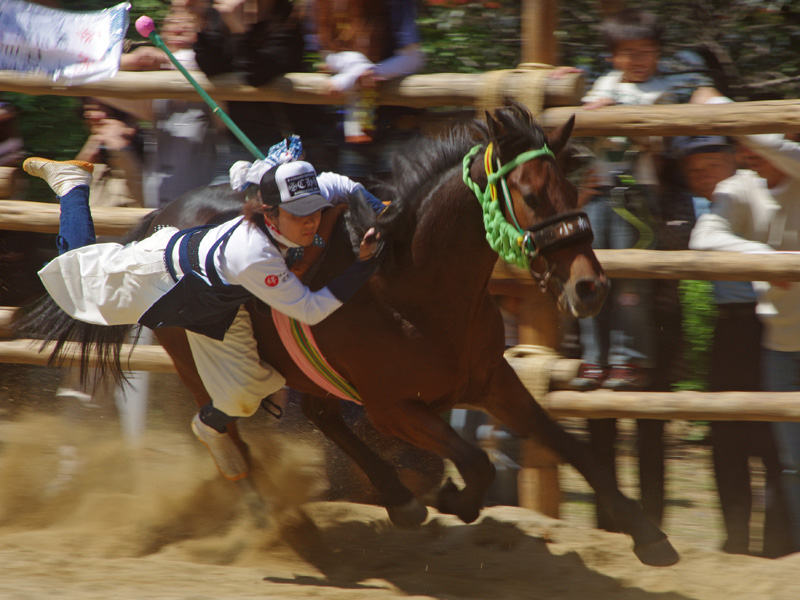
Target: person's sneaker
(60, 175)
(226, 454)
(627, 378)
(590, 377)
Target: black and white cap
(293, 186)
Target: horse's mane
(423, 164)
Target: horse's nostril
(586, 289)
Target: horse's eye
(532, 200)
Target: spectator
(182, 148)
(761, 214)
(628, 210)
(260, 39)
(115, 148)
(618, 343)
(11, 146)
(706, 162)
(363, 43)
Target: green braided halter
(505, 239)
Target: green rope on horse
(503, 238)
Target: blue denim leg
(622, 332)
(76, 227)
(781, 372)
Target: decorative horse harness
(513, 243)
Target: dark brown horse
(424, 334)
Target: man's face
(637, 59)
(704, 171)
(299, 230)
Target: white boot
(224, 451)
(60, 175)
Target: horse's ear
(558, 138)
(495, 127)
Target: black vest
(192, 303)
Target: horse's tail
(45, 320)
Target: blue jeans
(622, 332)
(781, 372)
(76, 227)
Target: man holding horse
(199, 278)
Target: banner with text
(71, 47)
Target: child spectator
(628, 209)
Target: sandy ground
(84, 516)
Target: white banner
(71, 47)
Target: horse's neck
(448, 256)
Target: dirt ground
(83, 515)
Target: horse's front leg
(403, 508)
(513, 405)
(419, 425)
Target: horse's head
(550, 236)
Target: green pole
(146, 28)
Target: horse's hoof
(408, 516)
(657, 554)
(451, 501)
(447, 500)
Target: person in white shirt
(758, 211)
(198, 279)
(706, 161)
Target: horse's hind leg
(419, 425)
(403, 508)
(513, 405)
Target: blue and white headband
(244, 173)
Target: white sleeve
(336, 188)
(603, 87)
(282, 290)
(250, 260)
(714, 231)
(348, 67)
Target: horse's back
(202, 206)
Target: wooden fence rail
(561, 96)
(415, 91)
(599, 404)
(42, 217)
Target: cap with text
(293, 186)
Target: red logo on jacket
(271, 280)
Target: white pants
(110, 284)
(231, 371)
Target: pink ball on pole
(145, 26)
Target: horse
(424, 334)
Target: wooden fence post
(539, 22)
(538, 478)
